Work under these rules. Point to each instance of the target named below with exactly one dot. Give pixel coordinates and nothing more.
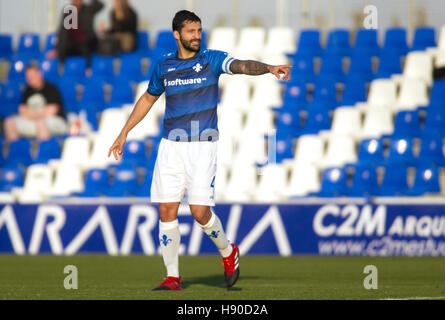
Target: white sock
(215, 231)
(170, 238)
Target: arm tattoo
(249, 67)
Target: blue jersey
(191, 94)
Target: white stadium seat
(273, 179)
(112, 120)
(341, 150)
(382, 93)
(280, 40)
(236, 94)
(68, 180)
(419, 65)
(267, 92)
(304, 178)
(378, 121)
(242, 183)
(309, 149)
(221, 181)
(250, 43)
(223, 38)
(99, 155)
(413, 93)
(76, 150)
(346, 120)
(38, 183)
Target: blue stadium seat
(370, 152)
(135, 153)
(125, 182)
(400, 153)
(338, 42)
(354, 91)
(333, 183)
(67, 88)
(361, 67)
(424, 37)
(74, 68)
(283, 149)
(364, 182)
(10, 98)
(93, 96)
(434, 122)
(96, 183)
(406, 124)
(309, 43)
(303, 68)
(426, 180)
(29, 46)
(50, 70)
(11, 177)
(431, 151)
(331, 68)
(19, 152)
(47, 150)
(143, 44)
(366, 42)
(102, 68)
(50, 42)
(165, 42)
(395, 41)
(288, 123)
(131, 67)
(325, 95)
(437, 95)
(17, 70)
(317, 119)
(295, 95)
(121, 93)
(394, 181)
(144, 190)
(6, 50)
(389, 64)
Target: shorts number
(212, 184)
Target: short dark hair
(182, 16)
(32, 65)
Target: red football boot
(170, 283)
(231, 266)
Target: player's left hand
(277, 71)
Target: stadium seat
(143, 44)
(325, 95)
(76, 150)
(304, 179)
(309, 43)
(419, 65)
(11, 177)
(252, 148)
(68, 179)
(134, 153)
(434, 122)
(125, 182)
(333, 182)
(266, 92)
(303, 69)
(340, 151)
(317, 119)
(47, 150)
(413, 93)
(165, 42)
(121, 94)
(251, 43)
(10, 98)
(426, 181)
(230, 123)
(400, 153)
(280, 40)
(288, 123)
(236, 94)
(74, 68)
(17, 70)
(19, 152)
(389, 64)
(273, 179)
(96, 183)
(29, 46)
(50, 42)
(395, 40)
(354, 91)
(110, 120)
(102, 68)
(394, 181)
(424, 37)
(377, 122)
(364, 182)
(279, 149)
(360, 67)
(50, 70)
(93, 96)
(331, 67)
(366, 42)
(144, 189)
(370, 152)
(407, 124)
(98, 158)
(131, 67)
(6, 50)
(437, 94)
(338, 42)
(223, 38)
(295, 96)
(431, 151)
(242, 182)
(221, 181)
(309, 149)
(382, 93)
(38, 183)
(346, 121)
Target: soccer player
(186, 159)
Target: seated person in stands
(123, 28)
(41, 112)
(81, 40)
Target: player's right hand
(117, 147)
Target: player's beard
(188, 44)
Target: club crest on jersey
(197, 67)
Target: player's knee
(168, 212)
(201, 214)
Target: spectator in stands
(123, 28)
(41, 112)
(81, 40)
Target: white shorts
(185, 166)
(27, 127)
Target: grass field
(261, 277)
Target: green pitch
(261, 277)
